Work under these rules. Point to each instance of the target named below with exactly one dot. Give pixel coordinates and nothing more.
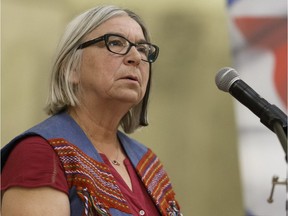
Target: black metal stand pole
(282, 136)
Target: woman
(77, 162)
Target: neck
(95, 127)
(105, 114)
(104, 140)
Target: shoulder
(131, 143)
(29, 153)
(32, 148)
(33, 163)
(136, 151)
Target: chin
(130, 96)
(132, 101)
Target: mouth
(131, 77)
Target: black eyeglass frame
(150, 58)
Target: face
(105, 76)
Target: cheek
(90, 66)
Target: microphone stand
(276, 120)
(279, 131)
(277, 181)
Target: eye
(116, 43)
(143, 48)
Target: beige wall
(191, 122)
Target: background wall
(191, 123)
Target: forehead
(123, 25)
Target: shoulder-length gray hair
(67, 59)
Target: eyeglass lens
(120, 45)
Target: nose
(133, 57)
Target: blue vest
(92, 188)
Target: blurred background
(192, 124)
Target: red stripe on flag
(269, 33)
(280, 75)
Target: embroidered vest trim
(94, 183)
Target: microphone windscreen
(225, 78)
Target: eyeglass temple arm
(90, 42)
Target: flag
(258, 32)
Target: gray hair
(62, 92)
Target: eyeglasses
(120, 45)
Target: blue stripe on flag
(230, 2)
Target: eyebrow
(120, 34)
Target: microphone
(228, 80)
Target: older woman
(77, 162)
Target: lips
(131, 77)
